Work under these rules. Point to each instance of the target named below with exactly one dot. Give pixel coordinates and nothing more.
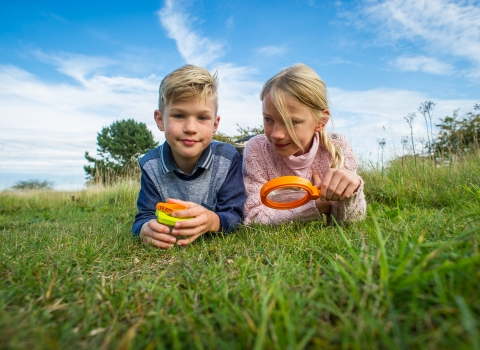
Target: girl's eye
(268, 120)
(295, 122)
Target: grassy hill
(408, 277)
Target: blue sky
(68, 69)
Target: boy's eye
(178, 116)
(203, 117)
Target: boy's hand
(157, 234)
(203, 221)
(337, 184)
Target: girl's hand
(337, 184)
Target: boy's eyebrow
(177, 110)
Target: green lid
(166, 219)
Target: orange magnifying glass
(288, 192)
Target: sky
(68, 69)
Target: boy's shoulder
(152, 154)
(223, 149)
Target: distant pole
(382, 143)
(409, 119)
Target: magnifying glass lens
(287, 194)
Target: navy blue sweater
(216, 183)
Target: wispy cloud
(238, 87)
(422, 64)
(57, 17)
(47, 127)
(364, 116)
(193, 47)
(443, 27)
(230, 22)
(272, 50)
(338, 60)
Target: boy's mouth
(188, 142)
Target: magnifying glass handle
(315, 193)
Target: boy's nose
(190, 125)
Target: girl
(295, 112)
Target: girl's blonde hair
(302, 83)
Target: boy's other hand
(157, 234)
(203, 221)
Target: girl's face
(304, 125)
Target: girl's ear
(157, 115)
(323, 120)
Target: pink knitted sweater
(261, 164)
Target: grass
(408, 277)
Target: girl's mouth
(277, 145)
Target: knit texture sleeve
(259, 166)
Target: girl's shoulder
(258, 147)
(257, 143)
(338, 139)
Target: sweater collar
(204, 162)
(300, 165)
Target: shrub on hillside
(33, 184)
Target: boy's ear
(215, 124)
(323, 121)
(157, 115)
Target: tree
(242, 132)
(34, 184)
(120, 146)
(457, 135)
(425, 109)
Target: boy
(189, 168)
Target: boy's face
(189, 127)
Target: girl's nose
(278, 132)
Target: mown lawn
(408, 277)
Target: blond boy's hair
(302, 83)
(188, 83)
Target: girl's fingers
(348, 192)
(316, 178)
(324, 195)
(333, 188)
(340, 189)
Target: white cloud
(230, 22)
(447, 27)
(47, 127)
(238, 89)
(363, 115)
(422, 64)
(194, 48)
(272, 50)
